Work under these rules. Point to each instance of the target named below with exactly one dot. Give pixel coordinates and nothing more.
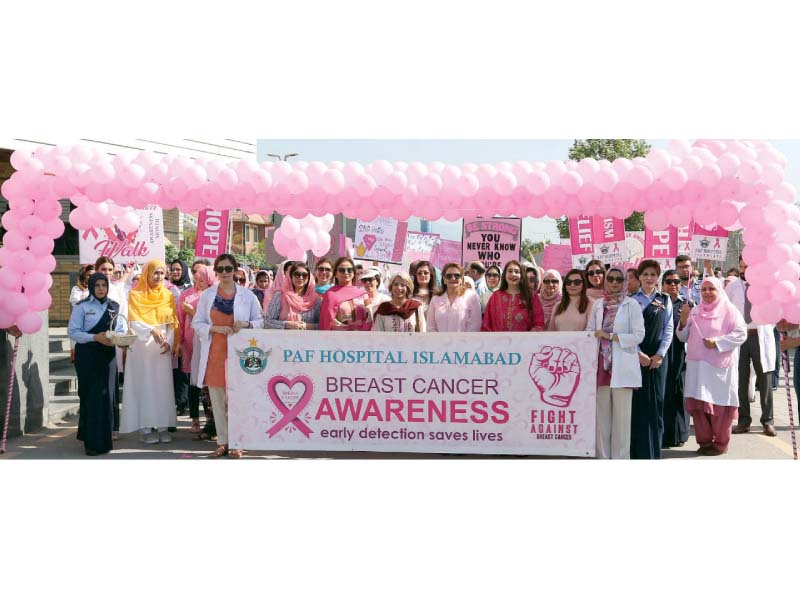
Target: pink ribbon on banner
(290, 414)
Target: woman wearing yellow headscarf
(148, 401)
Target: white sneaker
(150, 438)
(164, 436)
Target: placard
(685, 239)
(581, 239)
(212, 234)
(662, 246)
(558, 257)
(382, 239)
(494, 242)
(446, 252)
(483, 393)
(419, 246)
(140, 245)
(608, 235)
(709, 244)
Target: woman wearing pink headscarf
(551, 293)
(204, 278)
(297, 304)
(340, 305)
(277, 284)
(714, 329)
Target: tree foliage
(528, 248)
(610, 150)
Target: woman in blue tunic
(95, 364)
(647, 412)
(676, 417)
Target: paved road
(59, 442)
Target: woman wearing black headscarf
(180, 281)
(676, 417)
(95, 364)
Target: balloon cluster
(730, 183)
(297, 236)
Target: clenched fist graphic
(556, 373)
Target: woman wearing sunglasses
(572, 312)
(297, 305)
(223, 309)
(402, 313)
(492, 278)
(371, 282)
(617, 322)
(338, 310)
(595, 275)
(455, 308)
(551, 293)
(513, 307)
(323, 274)
(676, 418)
(647, 413)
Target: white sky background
(460, 151)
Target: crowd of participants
(672, 345)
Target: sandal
(234, 454)
(219, 452)
(195, 426)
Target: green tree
(170, 253)
(610, 150)
(528, 248)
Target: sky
(461, 151)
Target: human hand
(102, 338)
(644, 360)
(291, 325)
(177, 351)
(655, 361)
(188, 309)
(164, 347)
(239, 325)
(157, 336)
(685, 312)
(556, 373)
(710, 343)
(15, 331)
(223, 329)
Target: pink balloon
(728, 164)
(44, 264)
(784, 291)
(571, 182)
(728, 214)
(297, 182)
(10, 278)
(227, 179)
(776, 213)
(11, 219)
(537, 182)
(656, 220)
(680, 216)
(788, 232)
(751, 216)
(791, 311)
(41, 245)
(47, 209)
(40, 300)
(555, 171)
(759, 294)
(29, 322)
(754, 254)
(749, 171)
(37, 281)
(640, 177)
(31, 225)
(778, 254)
(16, 303)
(396, 182)
(709, 175)
(6, 320)
(659, 160)
(675, 178)
(15, 240)
(364, 185)
(767, 313)
(54, 228)
(307, 238)
(333, 181)
(605, 179)
(587, 167)
(785, 192)
(504, 183)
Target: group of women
(649, 342)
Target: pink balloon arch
(736, 184)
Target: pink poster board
(212, 233)
(447, 251)
(558, 257)
(491, 241)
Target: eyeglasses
(550, 282)
(228, 269)
(573, 282)
(239, 279)
(672, 281)
(344, 270)
(300, 275)
(593, 273)
(453, 276)
(324, 269)
(613, 279)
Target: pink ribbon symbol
(290, 414)
(90, 231)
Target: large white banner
(485, 393)
(140, 245)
